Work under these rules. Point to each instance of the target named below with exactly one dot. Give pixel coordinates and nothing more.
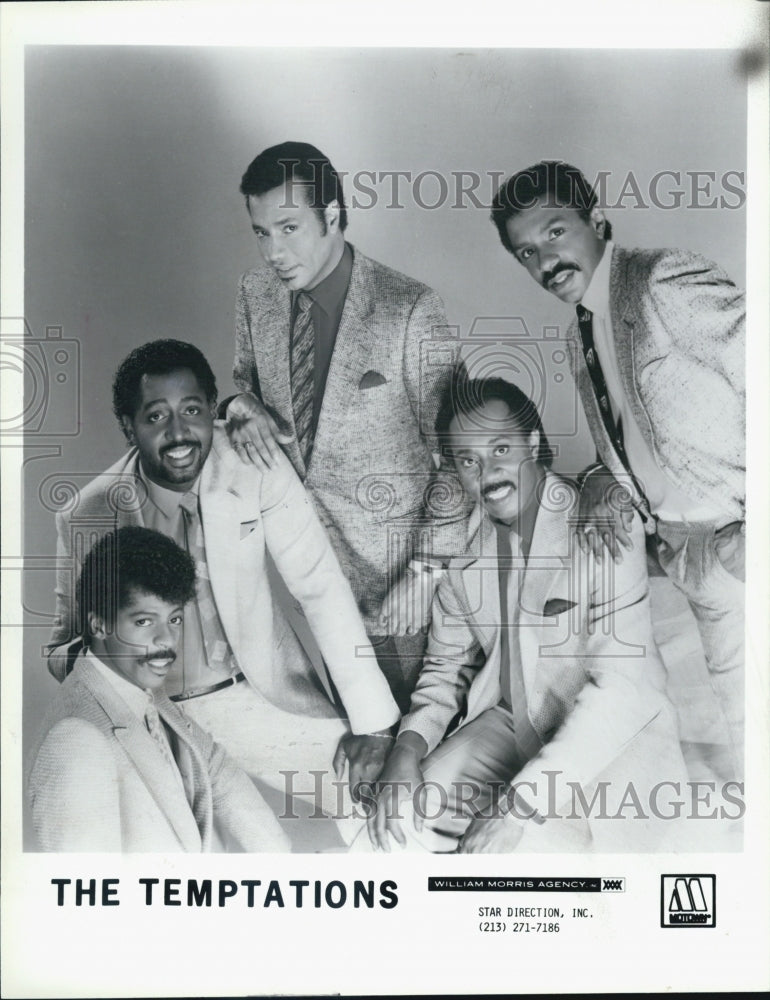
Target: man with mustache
(243, 675)
(118, 767)
(541, 657)
(659, 363)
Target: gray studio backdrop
(135, 228)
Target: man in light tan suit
(118, 767)
(660, 368)
(242, 675)
(546, 659)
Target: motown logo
(688, 901)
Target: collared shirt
(138, 700)
(328, 304)
(163, 513)
(135, 697)
(666, 501)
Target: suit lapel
(221, 520)
(131, 733)
(479, 590)
(634, 348)
(622, 313)
(192, 767)
(117, 500)
(272, 347)
(546, 575)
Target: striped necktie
(218, 653)
(303, 374)
(512, 692)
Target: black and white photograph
(377, 425)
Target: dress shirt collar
(330, 293)
(597, 295)
(135, 697)
(166, 501)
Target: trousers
(687, 553)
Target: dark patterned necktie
(614, 430)
(512, 692)
(302, 374)
(218, 653)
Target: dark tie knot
(304, 302)
(583, 314)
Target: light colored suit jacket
(98, 781)
(593, 679)
(246, 515)
(679, 328)
(372, 475)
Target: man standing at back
(340, 361)
(660, 370)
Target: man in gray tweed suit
(341, 361)
(660, 371)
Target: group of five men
(364, 537)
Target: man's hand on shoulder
(605, 516)
(255, 434)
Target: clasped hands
(401, 804)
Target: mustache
(496, 486)
(159, 654)
(548, 276)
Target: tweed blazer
(679, 328)
(372, 475)
(593, 678)
(246, 516)
(97, 780)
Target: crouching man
(546, 658)
(118, 767)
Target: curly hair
(128, 561)
(465, 395)
(159, 357)
(555, 180)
